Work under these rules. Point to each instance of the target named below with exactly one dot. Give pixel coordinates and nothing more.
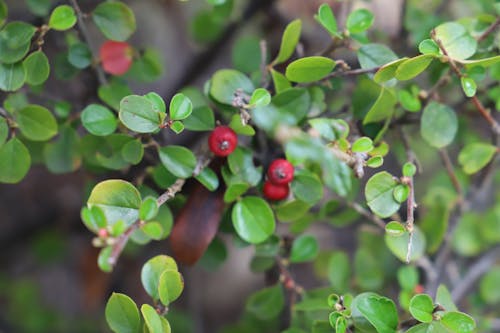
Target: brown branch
(366, 213)
(445, 157)
(489, 30)
(264, 69)
(101, 77)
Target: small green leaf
(226, 82)
(158, 102)
(395, 228)
(239, 127)
(292, 210)
(153, 230)
(103, 259)
(488, 287)
(179, 160)
(339, 271)
(327, 19)
(4, 130)
(388, 71)
(309, 69)
(379, 311)
(359, 21)
(260, 97)
(362, 145)
(412, 67)
(280, 81)
(98, 120)
(138, 114)
(180, 107)
(401, 193)
(12, 76)
(438, 125)
(152, 318)
(253, 219)
(148, 209)
(457, 42)
(304, 248)
(209, 179)
(428, 46)
(118, 199)
(37, 68)
(170, 286)
(113, 92)
(62, 18)
(122, 314)
(408, 277)
(115, 20)
(132, 151)
(151, 272)
(383, 107)
(443, 298)
(375, 162)
(266, 303)
(307, 187)
(468, 86)
(234, 191)
(475, 156)
(422, 307)
(409, 169)
(399, 245)
(36, 123)
(4, 10)
(379, 194)
(409, 101)
(63, 155)
(15, 41)
(458, 322)
(15, 161)
(80, 56)
(289, 41)
(201, 119)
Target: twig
(364, 212)
(86, 36)
(410, 208)
(264, 72)
(474, 272)
(489, 30)
(352, 72)
(445, 157)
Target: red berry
(222, 141)
(116, 57)
(280, 172)
(418, 289)
(275, 192)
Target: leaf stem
(489, 30)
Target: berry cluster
(279, 175)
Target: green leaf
(152, 319)
(37, 68)
(443, 298)
(475, 156)
(422, 307)
(399, 245)
(237, 125)
(428, 46)
(395, 228)
(234, 191)
(378, 193)
(170, 286)
(374, 55)
(289, 41)
(458, 322)
(438, 125)
(409, 101)
(339, 271)
(485, 62)
(36, 123)
(409, 169)
(226, 82)
(280, 81)
(245, 54)
(359, 20)
(113, 92)
(103, 259)
(326, 18)
(177, 127)
(180, 107)
(388, 71)
(401, 193)
(379, 311)
(118, 199)
(307, 187)
(457, 42)
(4, 10)
(468, 86)
(98, 120)
(292, 210)
(153, 230)
(149, 209)
(209, 179)
(15, 41)
(80, 56)
(362, 145)
(260, 97)
(157, 101)
(15, 161)
(122, 314)
(383, 107)
(62, 18)
(375, 162)
(4, 130)
(12, 76)
(304, 248)
(152, 271)
(63, 155)
(138, 114)
(412, 67)
(266, 303)
(488, 287)
(408, 277)
(132, 151)
(179, 160)
(115, 20)
(253, 219)
(309, 69)
(201, 119)
(428, 328)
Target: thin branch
(445, 157)
(351, 72)
(489, 30)
(366, 213)
(264, 71)
(474, 272)
(410, 219)
(86, 36)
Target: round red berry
(116, 57)
(280, 172)
(274, 191)
(222, 141)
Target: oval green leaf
(289, 41)
(15, 161)
(152, 270)
(422, 307)
(37, 68)
(138, 114)
(98, 120)
(179, 160)
(438, 124)
(122, 314)
(115, 20)
(253, 219)
(309, 69)
(180, 107)
(378, 193)
(36, 123)
(304, 248)
(62, 18)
